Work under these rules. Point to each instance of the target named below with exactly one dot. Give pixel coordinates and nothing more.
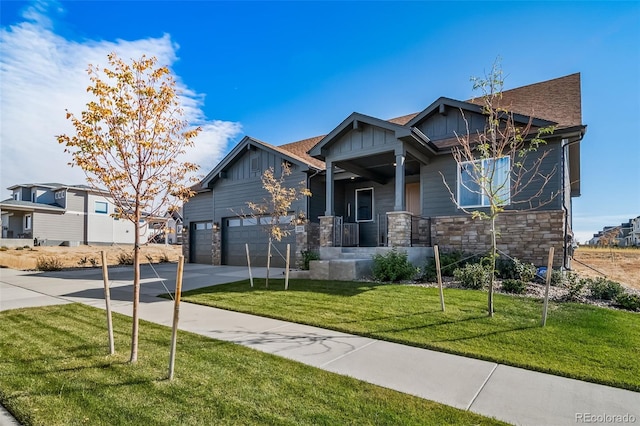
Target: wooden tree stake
(546, 290)
(436, 255)
(249, 265)
(176, 316)
(286, 271)
(268, 263)
(107, 300)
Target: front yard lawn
(580, 341)
(55, 370)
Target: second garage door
(236, 232)
(201, 238)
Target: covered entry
(236, 232)
(201, 243)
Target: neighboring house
(59, 214)
(167, 229)
(635, 232)
(379, 183)
(626, 235)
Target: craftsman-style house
(379, 183)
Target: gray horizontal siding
(199, 208)
(59, 227)
(76, 201)
(436, 200)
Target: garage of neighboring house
(201, 242)
(236, 232)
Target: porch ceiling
(379, 167)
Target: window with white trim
(472, 176)
(101, 207)
(27, 222)
(364, 205)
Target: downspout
(565, 244)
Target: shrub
(3, 248)
(473, 275)
(557, 278)
(19, 248)
(44, 263)
(164, 258)
(308, 256)
(125, 258)
(574, 285)
(449, 262)
(393, 266)
(93, 261)
(514, 269)
(514, 286)
(604, 289)
(628, 301)
(83, 261)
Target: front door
(412, 198)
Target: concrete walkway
(511, 394)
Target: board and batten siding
(439, 126)
(242, 184)
(369, 139)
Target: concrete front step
(340, 269)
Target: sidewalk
(511, 394)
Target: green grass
(55, 370)
(580, 341)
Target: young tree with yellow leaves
(495, 167)
(278, 203)
(129, 141)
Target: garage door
(201, 239)
(236, 232)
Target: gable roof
(442, 104)
(558, 100)
(552, 101)
(246, 143)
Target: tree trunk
(493, 264)
(136, 292)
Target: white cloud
(42, 74)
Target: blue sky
(285, 71)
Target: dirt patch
(617, 264)
(84, 256)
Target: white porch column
(400, 184)
(329, 210)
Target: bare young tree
(494, 165)
(129, 140)
(277, 204)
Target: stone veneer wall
(186, 238)
(399, 232)
(526, 236)
(326, 231)
(307, 240)
(216, 247)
